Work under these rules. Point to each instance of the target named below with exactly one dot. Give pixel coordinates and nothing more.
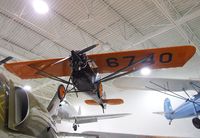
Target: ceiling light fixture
(40, 6)
(145, 71)
(27, 88)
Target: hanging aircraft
(190, 108)
(66, 112)
(22, 115)
(191, 105)
(83, 70)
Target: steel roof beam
(164, 11)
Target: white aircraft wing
(94, 118)
(63, 134)
(140, 83)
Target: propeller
(76, 53)
(5, 60)
(87, 49)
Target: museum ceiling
(115, 25)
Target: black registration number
(163, 58)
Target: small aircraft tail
(168, 109)
(54, 103)
(107, 101)
(79, 110)
(58, 97)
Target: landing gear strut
(196, 122)
(103, 106)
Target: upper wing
(107, 62)
(31, 69)
(95, 118)
(161, 58)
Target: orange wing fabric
(167, 57)
(25, 70)
(107, 62)
(108, 101)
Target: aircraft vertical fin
(79, 110)
(168, 109)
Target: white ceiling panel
(185, 7)
(194, 24)
(169, 38)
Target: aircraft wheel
(61, 92)
(196, 122)
(75, 127)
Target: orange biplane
(83, 70)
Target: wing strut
(171, 93)
(116, 74)
(50, 76)
(195, 85)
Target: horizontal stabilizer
(107, 101)
(159, 113)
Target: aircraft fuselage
(85, 76)
(84, 79)
(187, 109)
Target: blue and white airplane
(171, 87)
(190, 108)
(191, 105)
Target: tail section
(106, 101)
(53, 105)
(79, 110)
(168, 109)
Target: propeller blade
(75, 55)
(87, 49)
(5, 60)
(60, 61)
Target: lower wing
(95, 118)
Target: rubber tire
(75, 127)
(196, 122)
(59, 95)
